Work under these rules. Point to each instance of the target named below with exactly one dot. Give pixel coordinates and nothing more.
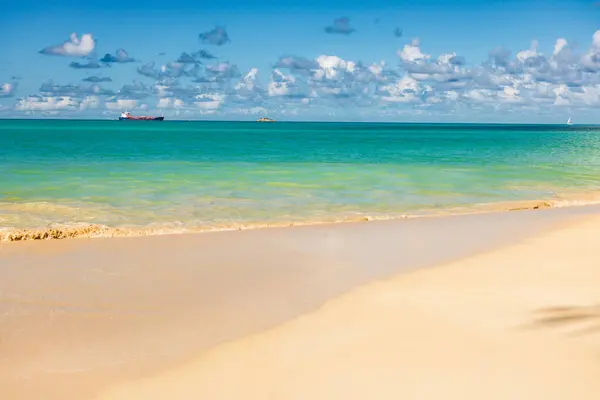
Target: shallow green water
(201, 174)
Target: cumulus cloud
(249, 89)
(209, 103)
(51, 89)
(135, 91)
(149, 70)
(203, 54)
(89, 102)
(405, 90)
(282, 85)
(223, 70)
(561, 43)
(249, 82)
(591, 59)
(169, 71)
(340, 26)
(97, 79)
(121, 104)
(41, 103)
(412, 53)
(88, 65)
(170, 102)
(217, 36)
(332, 66)
(185, 93)
(186, 58)
(7, 89)
(74, 47)
(531, 55)
(195, 58)
(207, 80)
(121, 57)
(297, 64)
(527, 80)
(499, 57)
(419, 83)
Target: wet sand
(86, 318)
(79, 230)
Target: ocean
(178, 176)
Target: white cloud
(208, 103)
(412, 53)
(7, 90)
(523, 55)
(377, 69)
(561, 43)
(250, 87)
(74, 47)
(509, 95)
(405, 90)
(479, 95)
(443, 83)
(332, 66)
(591, 59)
(281, 84)
(38, 103)
(596, 40)
(89, 102)
(121, 104)
(250, 111)
(249, 81)
(587, 96)
(169, 102)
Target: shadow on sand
(580, 320)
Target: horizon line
(308, 121)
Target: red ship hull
(141, 118)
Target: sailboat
(569, 121)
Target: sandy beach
(419, 220)
(496, 306)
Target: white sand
(146, 318)
(460, 331)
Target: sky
(527, 61)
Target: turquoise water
(191, 175)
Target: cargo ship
(127, 116)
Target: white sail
(569, 121)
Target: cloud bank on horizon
(198, 83)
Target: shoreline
(102, 313)
(91, 231)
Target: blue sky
(292, 60)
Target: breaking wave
(101, 231)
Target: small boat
(264, 119)
(569, 121)
(125, 116)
